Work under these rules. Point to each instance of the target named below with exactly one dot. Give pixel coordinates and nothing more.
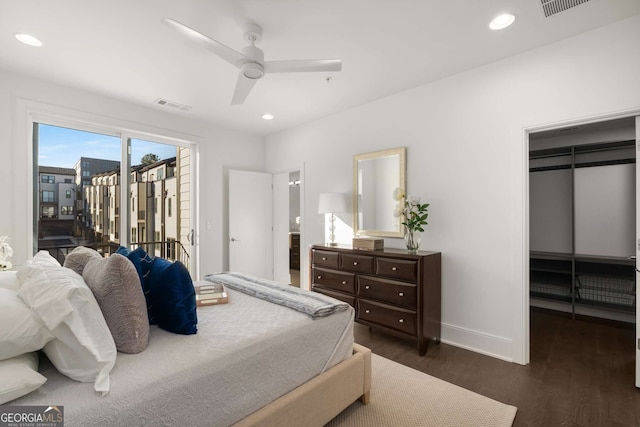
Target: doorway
(294, 228)
(582, 197)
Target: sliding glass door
(82, 198)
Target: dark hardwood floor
(581, 372)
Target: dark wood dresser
(294, 251)
(390, 289)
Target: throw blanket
(312, 304)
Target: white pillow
(43, 258)
(19, 377)
(21, 331)
(83, 348)
(9, 280)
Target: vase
(412, 240)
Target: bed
(251, 362)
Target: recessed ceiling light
(28, 39)
(501, 22)
(267, 116)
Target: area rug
(404, 397)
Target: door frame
(525, 348)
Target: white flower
(398, 194)
(413, 200)
(5, 250)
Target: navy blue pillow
(142, 261)
(172, 296)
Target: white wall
(220, 150)
(467, 156)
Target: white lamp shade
(332, 203)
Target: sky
(63, 147)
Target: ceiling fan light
(253, 71)
(268, 116)
(29, 40)
(501, 22)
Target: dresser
(294, 251)
(390, 289)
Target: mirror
(375, 177)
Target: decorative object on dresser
(332, 203)
(414, 215)
(368, 243)
(375, 176)
(390, 290)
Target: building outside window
(68, 194)
(48, 212)
(48, 196)
(48, 179)
(66, 210)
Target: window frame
(31, 113)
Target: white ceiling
(121, 49)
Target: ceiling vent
(552, 7)
(171, 104)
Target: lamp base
(332, 244)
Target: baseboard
(479, 342)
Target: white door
(637, 252)
(250, 223)
(281, 228)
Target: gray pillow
(115, 284)
(79, 257)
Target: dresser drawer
(396, 293)
(325, 258)
(337, 295)
(400, 269)
(357, 263)
(385, 315)
(324, 278)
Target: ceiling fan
(251, 61)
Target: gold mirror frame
(372, 210)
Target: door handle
(233, 239)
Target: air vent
(552, 7)
(171, 104)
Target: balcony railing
(172, 250)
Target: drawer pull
(324, 258)
(401, 321)
(344, 282)
(355, 262)
(394, 268)
(401, 294)
(319, 277)
(367, 287)
(367, 311)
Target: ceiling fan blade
(243, 87)
(302, 65)
(223, 51)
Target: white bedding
(246, 354)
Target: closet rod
(569, 150)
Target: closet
(582, 199)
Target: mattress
(246, 354)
